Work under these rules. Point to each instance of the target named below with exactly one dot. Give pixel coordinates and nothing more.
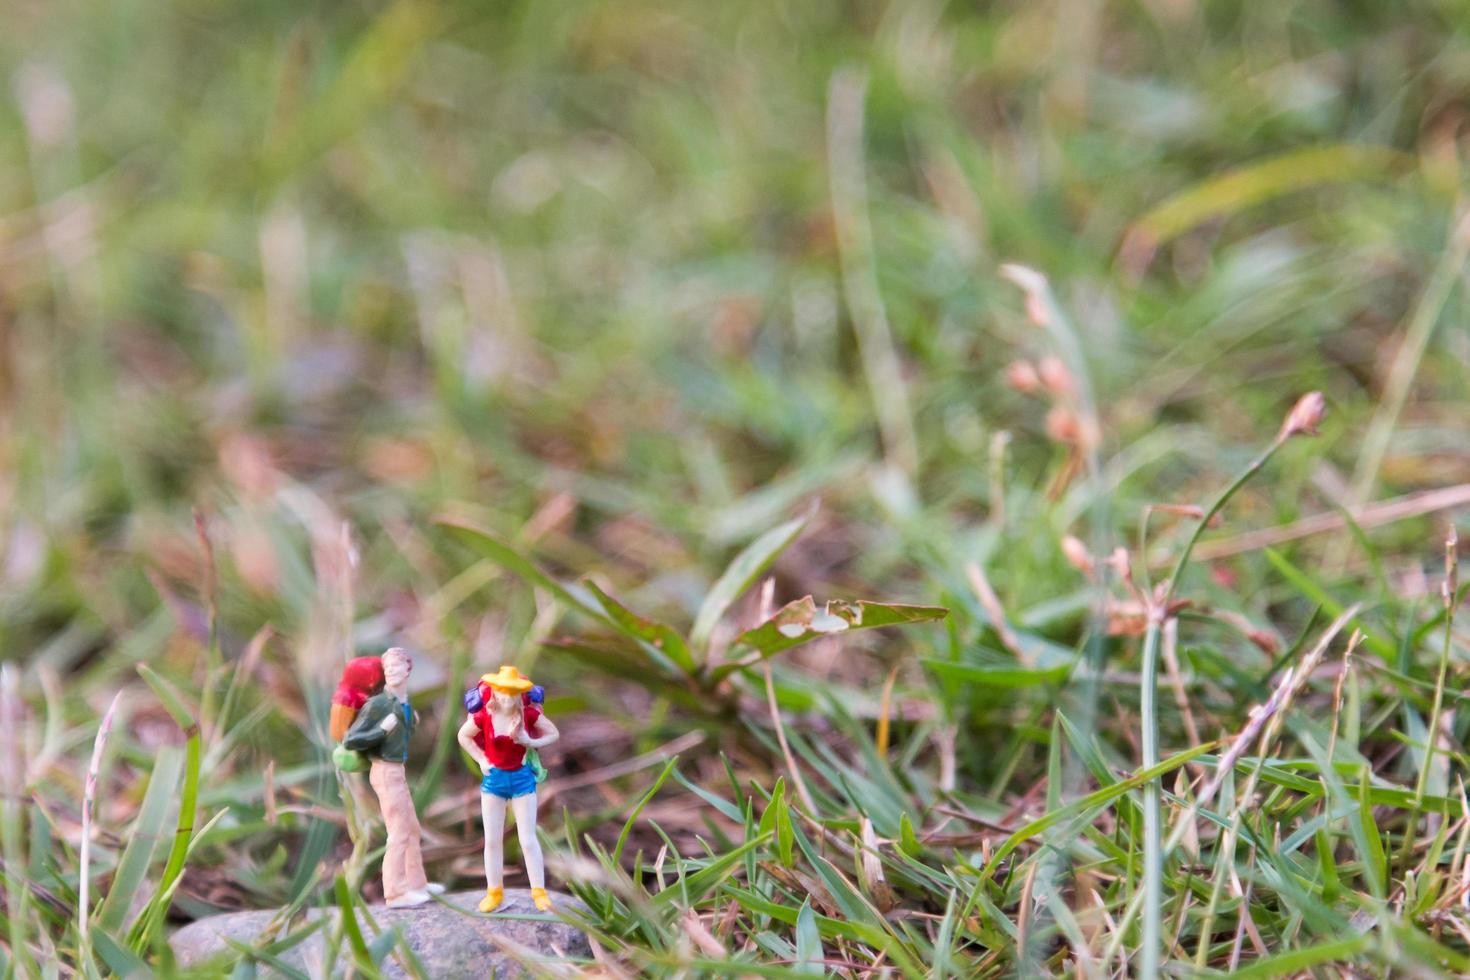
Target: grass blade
(507, 557)
(152, 918)
(800, 622)
(148, 831)
(1090, 802)
(740, 575)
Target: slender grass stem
(1432, 738)
(89, 797)
(1410, 355)
(1153, 856)
(151, 921)
(12, 822)
(882, 366)
(1225, 765)
(1431, 735)
(213, 656)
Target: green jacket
(366, 734)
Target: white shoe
(434, 888)
(409, 899)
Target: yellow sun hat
(508, 679)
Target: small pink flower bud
(1061, 425)
(1077, 555)
(1022, 376)
(1118, 561)
(1033, 284)
(1055, 376)
(1304, 417)
(1265, 641)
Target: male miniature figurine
(381, 731)
(496, 735)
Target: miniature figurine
(380, 730)
(502, 727)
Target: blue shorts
(509, 783)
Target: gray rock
(449, 937)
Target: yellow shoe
(542, 900)
(493, 898)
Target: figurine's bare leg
(492, 808)
(525, 809)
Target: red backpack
(361, 679)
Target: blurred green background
(629, 284)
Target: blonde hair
(396, 653)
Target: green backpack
(533, 759)
(349, 761)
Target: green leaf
(800, 622)
(613, 656)
(741, 573)
(172, 700)
(1393, 796)
(777, 820)
(808, 940)
(122, 961)
(1263, 180)
(1304, 584)
(250, 954)
(152, 919)
(508, 558)
(785, 837)
(778, 800)
(1375, 859)
(725, 807)
(664, 639)
(1089, 803)
(692, 887)
(383, 944)
(379, 65)
(1299, 960)
(638, 808)
(1331, 883)
(350, 926)
(999, 676)
(1054, 764)
(751, 901)
(148, 831)
(908, 841)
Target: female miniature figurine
(381, 731)
(497, 735)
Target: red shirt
(503, 751)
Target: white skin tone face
(395, 678)
(505, 712)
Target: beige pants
(403, 863)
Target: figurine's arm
(548, 734)
(467, 742)
(368, 730)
